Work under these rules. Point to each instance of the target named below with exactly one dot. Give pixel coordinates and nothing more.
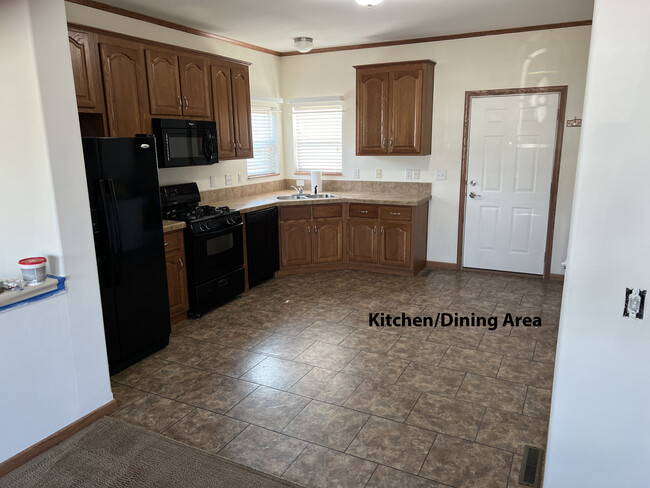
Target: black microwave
(185, 142)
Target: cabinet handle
(166, 243)
(363, 211)
(316, 229)
(383, 143)
(187, 104)
(395, 213)
(374, 229)
(180, 264)
(239, 144)
(382, 229)
(308, 230)
(180, 103)
(391, 143)
(234, 145)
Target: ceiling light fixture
(368, 3)
(303, 44)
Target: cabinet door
(123, 70)
(223, 115)
(84, 69)
(241, 99)
(405, 120)
(295, 242)
(328, 241)
(176, 281)
(395, 244)
(362, 240)
(372, 112)
(162, 80)
(195, 86)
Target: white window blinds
(317, 137)
(265, 142)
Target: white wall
(264, 81)
(599, 432)
(53, 367)
(543, 58)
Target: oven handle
(219, 232)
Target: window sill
(309, 173)
(263, 176)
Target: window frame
(316, 106)
(262, 107)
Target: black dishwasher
(262, 242)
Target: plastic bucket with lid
(33, 270)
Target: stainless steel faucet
(299, 189)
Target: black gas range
(214, 247)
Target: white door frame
(562, 91)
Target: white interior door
(509, 173)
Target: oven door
(188, 147)
(215, 253)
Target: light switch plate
(441, 174)
(408, 174)
(213, 181)
(355, 174)
(416, 174)
(228, 179)
(378, 174)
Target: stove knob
(208, 225)
(202, 227)
(230, 221)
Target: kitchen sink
(291, 197)
(321, 195)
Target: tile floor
(291, 380)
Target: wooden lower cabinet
(176, 275)
(395, 244)
(362, 240)
(327, 241)
(295, 247)
(382, 238)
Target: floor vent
(425, 272)
(531, 467)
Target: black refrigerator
(122, 176)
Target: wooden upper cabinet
(395, 108)
(241, 100)
(123, 74)
(85, 69)
(223, 114)
(195, 86)
(163, 82)
(405, 120)
(372, 112)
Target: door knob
(473, 182)
(474, 195)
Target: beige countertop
(257, 202)
(171, 225)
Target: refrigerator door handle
(118, 232)
(108, 228)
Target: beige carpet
(112, 453)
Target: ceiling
(273, 24)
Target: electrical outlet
(408, 174)
(416, 174)
(239, 180)
(378, 174)
(634, 303)
(213, 181)
(574, 122)
(228, 179)
(355, 173)
(441, 174)
(300, 182)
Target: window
(265, 142)
(318, 137)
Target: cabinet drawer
(173, 240)
(296, 212)
(363, 210)
(327, 211)
(388, 212)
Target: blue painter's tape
(60, 288)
